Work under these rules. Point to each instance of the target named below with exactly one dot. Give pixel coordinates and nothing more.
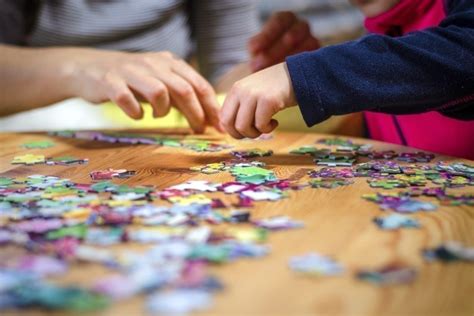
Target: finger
(263, 117)
(297, 34)
(244, 121)
(310, 44)
(153, 90)
(119, 93)
(282, 48)
(228, 113)
(185, 99)
(276, 25)
(204, 92)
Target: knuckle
(226, 120)
(166, 54)
(268, 100)
(108, 78)
(200, 118)
(260, 125)
(239, 88)
(158, 91)
(148, 61)
(203, 88)
(122, 96)
(241, 127)
(185, 90)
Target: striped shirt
(215, 31)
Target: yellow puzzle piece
(28, 159)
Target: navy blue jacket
(429, 70)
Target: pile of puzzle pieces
(59, 223)
(32, 159)
(411, 175)
(198, 145)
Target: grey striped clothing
(216, 31)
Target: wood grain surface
(338, 222)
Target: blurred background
(332, 21)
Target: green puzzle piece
(311, 150)
(78, 231)
(252, 174)
(329, 183)
(4, 181)
(249, 171)
(387, 183)
(38, 144)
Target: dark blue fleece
(421, 71)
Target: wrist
(67, 72)
(291, 98)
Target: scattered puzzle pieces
(449, 252)
(66, 161)
(416, 157)
(111, 173)
(311, 150)
(389, 275)
(329, 183)
(335, 162)
(198, 145)
(191, 199)
(251, 153)
(332, 173)
(395, 221)
(211, 168)
(385, 183)
(315, 264)
(388, 154)
(196, 185)
(278, 223)
(399, 202)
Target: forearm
(34, 77)
(432, 70)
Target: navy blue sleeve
(429, 70)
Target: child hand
(282, 35)
(252, 102)
(160, 78)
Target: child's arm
(35, 77)
(431, 70)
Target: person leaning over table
(420, 61)
(126, 51)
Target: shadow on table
(275, 159)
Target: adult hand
(282, 35)
(160, 78)
(252, 102)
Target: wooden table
(337, 223)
